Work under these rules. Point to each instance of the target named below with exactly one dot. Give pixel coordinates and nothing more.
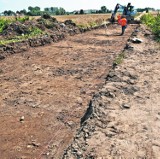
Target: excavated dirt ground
(123, 119)
(45, 91)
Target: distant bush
(153, 23)
(22, 19)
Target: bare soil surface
(123, 119)
(45, 91)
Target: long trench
(45, 91)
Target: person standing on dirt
(123, 23)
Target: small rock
(129, 81)
(33, 144)
(112, 95)
(70, 124)
(137, 40)
(129, 47)
(21, 119)
(79, 100)
(126, 106)
(79, 153)
(83, 91)
(47, 153)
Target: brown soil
(123, 119)
(45, 91)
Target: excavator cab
(128, 11)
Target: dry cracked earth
(45, 92)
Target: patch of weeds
(93, 24)
(3, 24)
(119, 59)
(35, 31)
(83, 26)
(22, 19)
(4, 42)
(152, 22)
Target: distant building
(88, 11)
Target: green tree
(37, 8)
(23, 12)
(62, 11)
(30, 8)
(8, 13)
(57, 12)
(53, 9)
(81, 11)
(103, 9)
(46, 9)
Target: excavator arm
(128, 11)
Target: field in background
(83, 19)
(86, 20)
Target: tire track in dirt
(51, 87)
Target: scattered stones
(130, 90)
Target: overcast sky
(70, 5)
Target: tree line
(36, 11)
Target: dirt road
(124, 117)
(44, 92)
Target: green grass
(119, 58)
(3, 23)
(153, 22)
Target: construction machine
(128, 11)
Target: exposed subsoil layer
(123, 119)
(45, 91)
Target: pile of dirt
(50, 31)
(15, 29)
